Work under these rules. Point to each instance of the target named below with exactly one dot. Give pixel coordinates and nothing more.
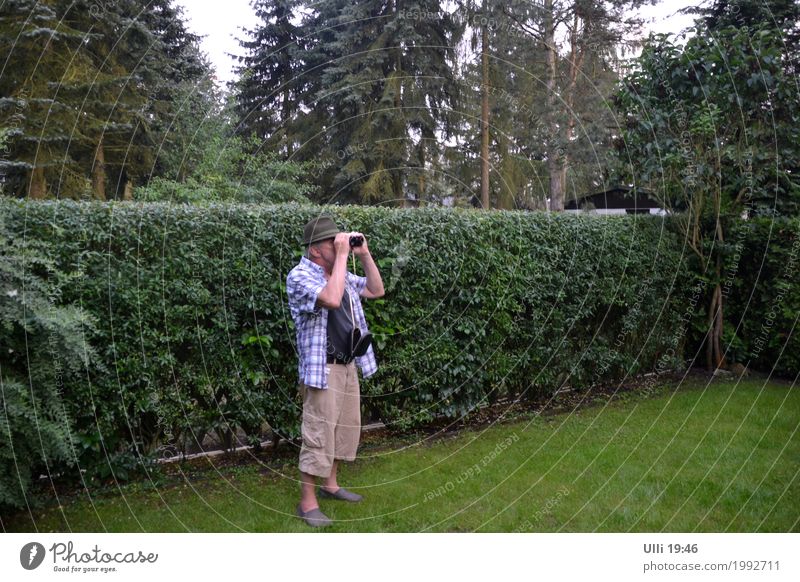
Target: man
(325, 302)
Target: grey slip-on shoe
(314, 517)
(341, 494)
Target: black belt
(333, 360)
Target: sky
(220, 23)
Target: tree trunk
(718, 353)
(128, 192)
(37, 186)
(287, 114)
(714, 358)
(485, 114)
(709, 332)
(575, 63)
(397, 177)
(421, 181)
(556, 165)
(557, 170)
(99, 172)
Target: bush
(232, 169)
(490, 305)
(43, 348)
(192, 325)
(184, 330)
(762, 295)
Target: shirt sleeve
(303, 292)
(357, 283)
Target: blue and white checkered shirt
(303, 285)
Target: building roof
(618, 197)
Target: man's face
(325, 254)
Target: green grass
(694, 457)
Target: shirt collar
(312, 266)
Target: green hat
(319, 229)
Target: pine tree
(41, 54)
(268, 89)
(512, 74)
(558, 91)
(385, 94)
(184, 96)
(114, 125)
(89, 96)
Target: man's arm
(331, 295)
(374, 288)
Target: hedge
(762, 295)
(191, 333)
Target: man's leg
(308, 497)
(317, 450)
(308, 510)
(347, 432)
(330, 483)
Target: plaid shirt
(303, 285)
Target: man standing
(325, 303)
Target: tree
(551, 69)
(110, 131)
(183, 101)
(781, 16)
(576, 80)
(712, 129)
(491, 129)
(89, 92)
(150, 72)
(43, 345)
(267, 92)
(39, 54)
(377, 87)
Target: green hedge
(193, 335)
(762, 295)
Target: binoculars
(356, 241)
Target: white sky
(219, 22)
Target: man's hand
(363, 249)
(341, 244)
(374, 288)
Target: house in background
(617, 200)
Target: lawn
(690, 456)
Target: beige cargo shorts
(331, 427)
